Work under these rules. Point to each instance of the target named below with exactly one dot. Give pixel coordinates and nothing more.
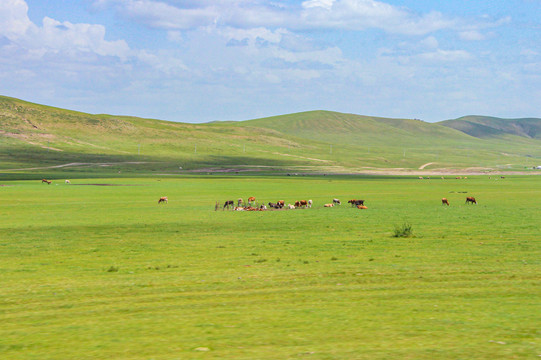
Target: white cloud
(472, 35)
(312, 14)
(14, 22)
(54, 36)
(445, 55)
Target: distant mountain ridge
(486, 127)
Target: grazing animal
(444, 201)
(239, 202)
(68, 182)
(228, 204)
(251, 200)
(290, 207)
(471, 199)
(303, 203)
(46, 181)
(281, 203)
(355, 202)
(309, 203)
(262, 207)
(420, 178)
(163, 199)
(274, 205)
(362, 207)
(239, 208)
(328, 205)
(336, 201)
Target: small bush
(406, 230)
(113, 269)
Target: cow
(309, 203)
(444, 201)
(274, 205)
(355, 202)
(262, 207)
(301, 203)
(281, 203)
(328, 205)
(239, 208)
(361, 207)
(239, 202)
(46, 181)
(68, 182)
(336, 202)
(228, 204)
(251, 200)
(471, 199)
(163, 199)
(290, 207)
(420, 178)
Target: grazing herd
(306, 204)
(280, 204)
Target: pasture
(104, 272)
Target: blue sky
(206, 60)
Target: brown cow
(471, 199)
(328, 205)
(355, 202)
(361, 207)
(163, 199)
(239, 202)
(444, 201)
(251, 200)
(281, 203)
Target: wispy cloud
(311, 14)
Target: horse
(471, 199)
(163, 199)
(444, 201)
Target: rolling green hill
(491, 127)
(38, 136)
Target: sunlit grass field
(104, 272)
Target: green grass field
(104, 272)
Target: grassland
(103, 272)
(33, 135)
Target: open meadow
(104, 272)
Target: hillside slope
(38, 136)
(486, 127)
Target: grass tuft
(405, 230)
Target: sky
(209, 60)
